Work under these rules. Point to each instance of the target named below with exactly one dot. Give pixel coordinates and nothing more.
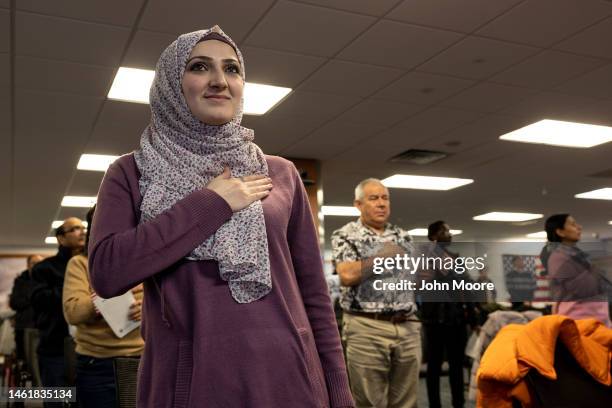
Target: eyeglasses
(72, 229)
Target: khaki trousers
(383, 361)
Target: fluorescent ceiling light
(424, 182)
(559, 133)
(133, 85)
(507, 216)
(78, 201)
(95, 162)
(51, 240)
(610, 222)
(601, 194)
(540, 234)
(260, 98)
(57, 223)
(422, 232)
(340, 210)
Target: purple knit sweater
(202, 349)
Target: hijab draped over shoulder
(179, 154)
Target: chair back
(126, 374)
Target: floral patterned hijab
(179, 154)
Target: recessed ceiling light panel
(560, 133)
(340, 210)
(78, 201)
(57, 223)
(95, 162)
(424, 182)
(507, 216)
(132, 85)
(540, 234)
(601, 194)
(422, 232)
(260, 98)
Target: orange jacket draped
(519, 348)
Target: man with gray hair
(383, 343)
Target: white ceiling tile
(70, 40)
(483, 130)
(278, 68)
(422, 88)
(380, 112)
(115, 12)
(5, 3)
(594, 83)
(67, 212)
(307, 29)
(349, 78)
(318, 151)
(119, 127)
(5, 24)
(549, 105)
(43, 167)
(85, 183)
(544, 22)
(547, 69)
(373, 8)
(6, 164)
(145, 49)
(375, 152)
(481, 155)
(427, 125)
(235, 17)
(477, 58)
(488, 97)
(5, 101)
(465, 16)
(342, 133)
(38, 112)
(398, 45)
(60, 76)
(593, 41)
(274, 132)
(315, 106)
(597, 113)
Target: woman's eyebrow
(208, 59)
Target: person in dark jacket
(19, 301)
(445, 316)
(46, 299)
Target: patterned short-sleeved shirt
(354, 242)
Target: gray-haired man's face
(375, 206)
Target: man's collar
(64, 252)
(370, 230)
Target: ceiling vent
(416, 156)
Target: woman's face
(212, 83)
(571, 231)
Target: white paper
(116, 313)
(473, 345)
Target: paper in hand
(116, 312)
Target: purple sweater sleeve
(123, 253)
(308, 266)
